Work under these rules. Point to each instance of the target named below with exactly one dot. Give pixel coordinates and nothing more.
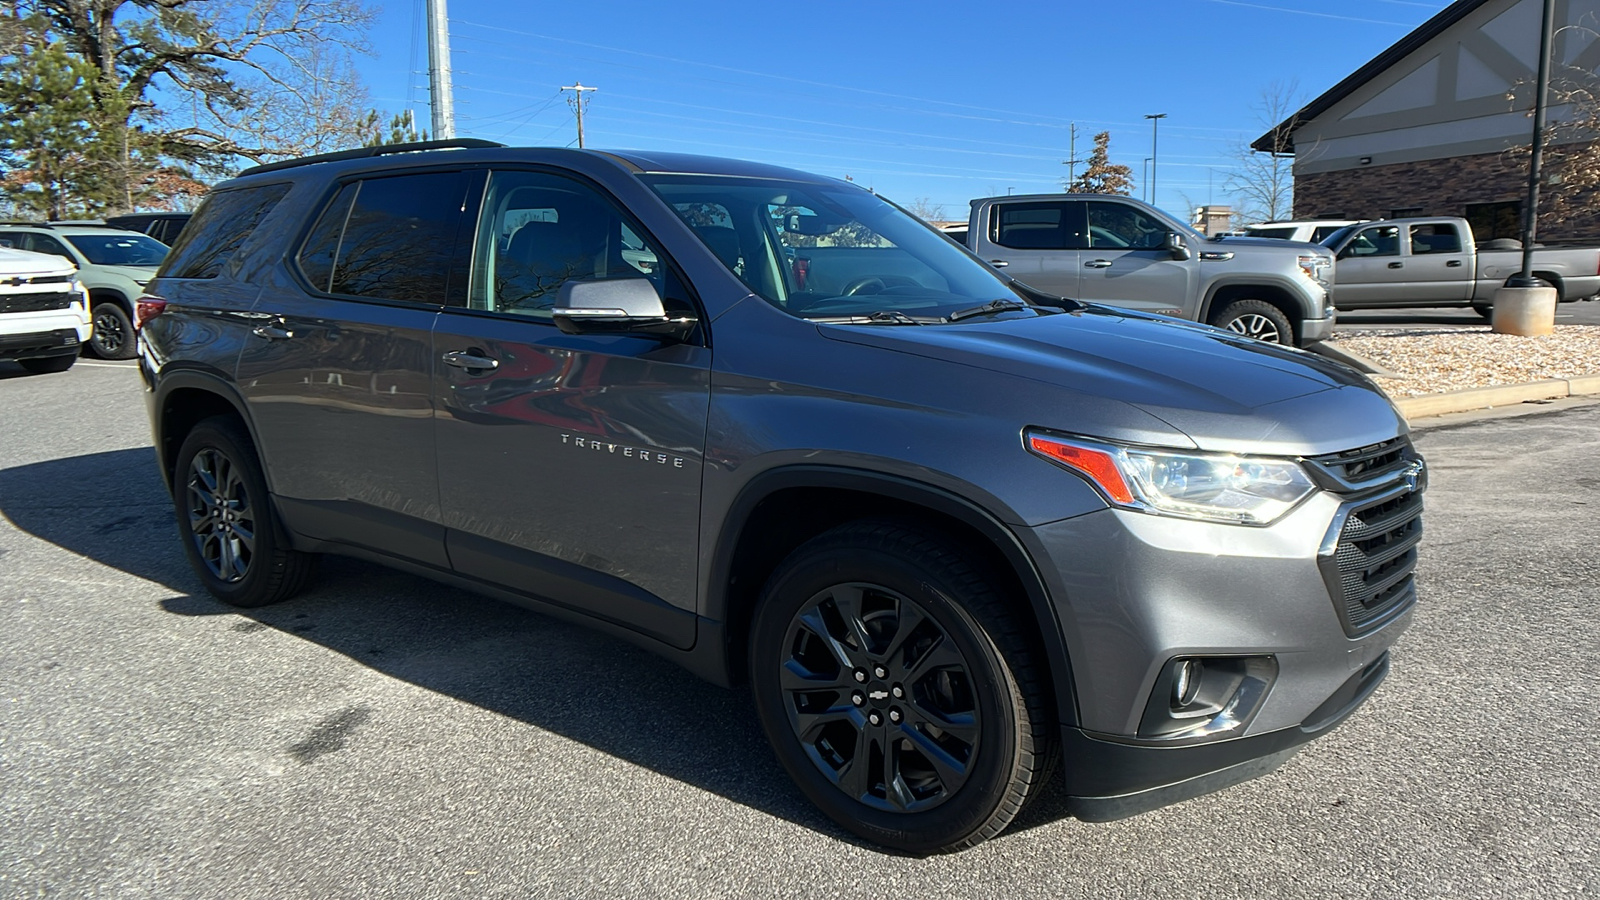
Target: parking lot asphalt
(382, 736)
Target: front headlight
(1316, 268)
(1216, 487)
(76, 289)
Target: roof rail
(28, 224)
(367, 152)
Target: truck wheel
(227, 524)
(48, 364)
(1255, 318)
(113, 336)
(897, 690)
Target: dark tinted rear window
(400, 237)
(217, 230)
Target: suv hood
(1225, 392)
(24, 262)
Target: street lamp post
(1155, 122)
(1526, 305)
(1145, 186)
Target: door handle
(469, 360)
(1397, 265)
(1454, 263)
(1097, 264)
(274, 331)
(999, 263)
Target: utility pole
(1155, 120)
(1530, 214)
(443, 96)
(577, 103)
(1072, 160)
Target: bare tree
(1263, 184)
(926, 210)
(1570, 182)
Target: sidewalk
(1434, 371)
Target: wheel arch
(781, 509)
(183, 400)
(98, 295)
(1277, 295)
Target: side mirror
(1176, 245)
(617, 306)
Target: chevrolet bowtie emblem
(879, 695)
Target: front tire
(113, 336)
(227, 523)
(897, 690)
(48, 365)
(1257, 319)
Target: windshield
(836, 253)
(1333, 240)
(1283, 233)
(119, 249)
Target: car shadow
(602, 692)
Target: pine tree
(1101, 176)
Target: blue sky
(935, 100)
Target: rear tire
(1257, 319)
(897, 689)
(1484, 309)
(226, 521)
(113, 336)
(49, 364)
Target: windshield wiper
(877, 317)
(988, 309)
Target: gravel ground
(1433, 360)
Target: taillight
(148, 308)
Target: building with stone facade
(1429, 126)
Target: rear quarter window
(218, 229)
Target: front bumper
(1135, 591)
(40, 344)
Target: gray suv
(953, 533)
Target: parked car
(1310, 231)
(163, 226)
(1434, 261)
(1119, 251)
(948, 528)
(44, 315)
(113, 264)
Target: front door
(338, 375)
(1128, 263)
(1370, 266)
(570, 465)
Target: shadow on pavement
(607, 694)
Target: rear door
(1036, 242)
(570, 465)
(1127, 262)
(338, 373)
(1438, 268)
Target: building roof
(1402, 48)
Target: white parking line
(126, 364)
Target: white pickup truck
(44, 311)
(1434, 261)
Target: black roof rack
(367, 152)
(27, 223)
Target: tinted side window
(223, 222)
(1033, 226)
(1383, 240)
(1434, 238)
(321, 248)
(42, 243)
(400, 238)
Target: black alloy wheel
(880, 697)
(113, 336)
(898, 690)
(229, 529)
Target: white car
(44, 311)
(113, 264)
(1312, 231)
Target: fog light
(1204, 697)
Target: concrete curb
(1500, 395)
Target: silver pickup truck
(1121, 252)
(1435, 262)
